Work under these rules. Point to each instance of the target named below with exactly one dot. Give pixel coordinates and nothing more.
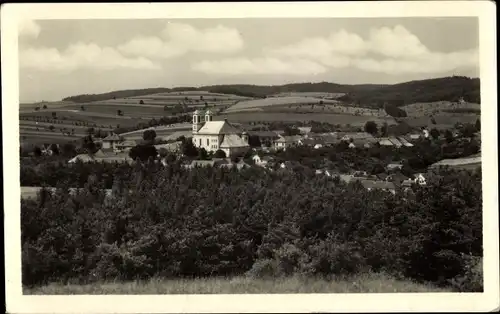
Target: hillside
(432, 90)
(369, 95)
(258, 91)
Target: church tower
(196, 121)
(208, 116)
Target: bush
(472, 279)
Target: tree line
(170, 222)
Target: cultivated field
(309, 94)
(276, 101)
(368, 283)
(35, 124)
(306, 117)
(427, 109)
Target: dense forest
(448, 88)
(439, 89)
(169, 222)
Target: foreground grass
(241, 285)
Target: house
(329, 140)
(215, 135)
(379, 185)
(284, 142)
(109, 142)
(311, 142)
(348, 136)
(419, 179)
(394, 166)
(396, 178)
(385, 142)
(305, 130)
(267, 137)
(361, 143)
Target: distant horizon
(236, 83)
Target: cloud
(178, 39)
(29, 28)
(256, 66)
(81, 55)
(386, 50)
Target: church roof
(217, 128)
(233, 140)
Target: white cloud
(178, 39)
(81, 55)
(386, 50)
(253, 66)
(29, 28)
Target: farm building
(379, 185)
(284, 142)
(215, 135)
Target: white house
(110, 142)
(419, 179)
(214, 135)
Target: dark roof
(383, 185)
(263, 133)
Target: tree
(149, 136)
(88, 144)
(202, 154)
(54, 149)
(90, 131)
(384, 129)
(37, 151)
(371, 127)
(468, 130)
(51, 128)
(54, 115)
(220, 154)
(68, 149)
(448, 136)
(289, 131)
(254, 141)
(188, 148)
(143, 152)
(119, 112)
(434, 133)
(141, 102)
(478, 125)
(82, 108)
(163, 152)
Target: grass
(276, 101)
(365, 283)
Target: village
(226, 144)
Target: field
(427, 109)
(309, 94)
(369, 283)
(443, 120)
(66, 116)
(276, 101)
(291, 117)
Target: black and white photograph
(250, 157)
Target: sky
(60, 58)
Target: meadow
(276, 101)
(363, 283)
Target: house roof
(218, 128)
(112, 138)
(396, 178)
(82, 157)
(385, 142)
(263, 133)
(405, 142)
(233, 140)
(383, 185)
(127, 143)
(354, 135)
(289, 139)
(395, 141)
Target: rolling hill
(369, 95)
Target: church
(214, 135)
